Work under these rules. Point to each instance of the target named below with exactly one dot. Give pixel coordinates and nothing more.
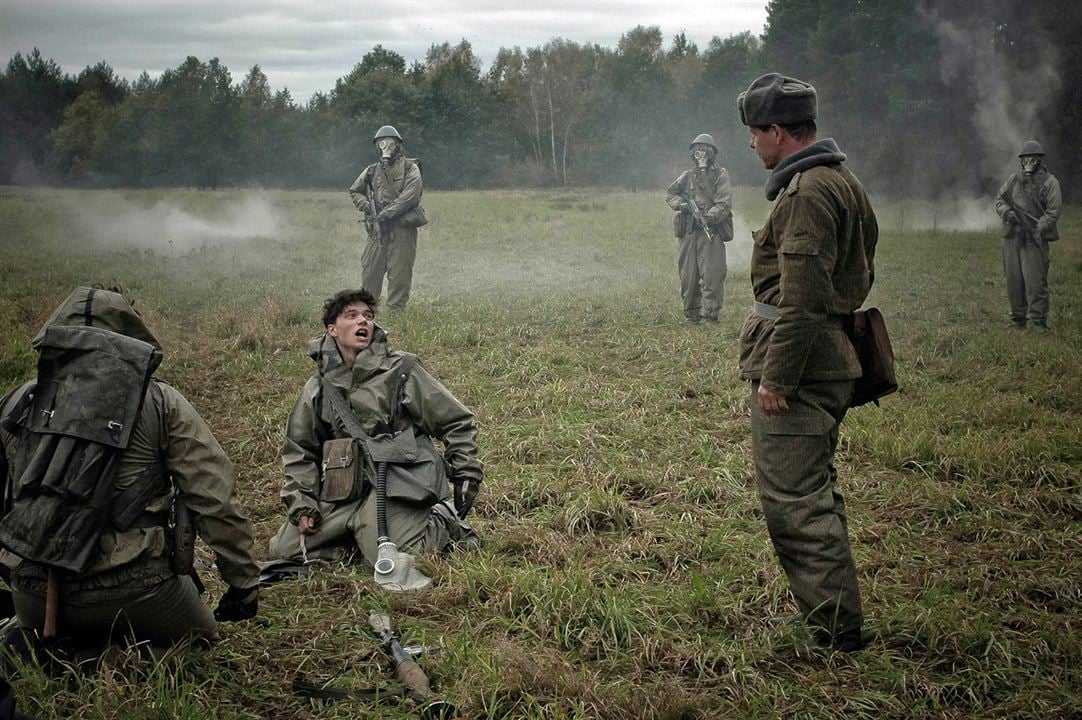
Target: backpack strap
(404, 370)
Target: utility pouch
(415, 471)
(414, 217)
(680, 224)
(183, 538)
(340, 470)
(868, 333)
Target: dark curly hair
(333, 306)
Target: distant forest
(930, 97)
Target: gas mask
(388, 149)
(702, 155)
(1030, 163)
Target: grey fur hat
(776, 99)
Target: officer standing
(704, 223)
(1029, 204)
(811, 267)
(388, 192)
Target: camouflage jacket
(427, 407)
(171, 434)
(813, 260)
(711, 192)
(1036, 194)
(406, 177)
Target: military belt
(769, 312)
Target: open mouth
(362, 333)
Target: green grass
(626, 570)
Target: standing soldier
(1029, 203)
(811, 267)
(388, 192)
(704, 222)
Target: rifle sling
(347, 419)
(377, 695)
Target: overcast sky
(306, 46)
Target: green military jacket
(427, 407)
(711, 191)
(393, 203)
(813, 261)
(1037, 194)
(171, 434)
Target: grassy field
(626, 570)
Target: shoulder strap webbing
(343, 415)
(404, 370)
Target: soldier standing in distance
(811, 267)
(1028, 227)
(701, 256)
(388, 192)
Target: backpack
(71, 427)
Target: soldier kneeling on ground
(369, 414)
(99, 458)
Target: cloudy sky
(306, 46)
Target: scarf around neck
(821, 152)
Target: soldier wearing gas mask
(704, 222)
(1029, 204)
(388, 192)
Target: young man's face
(767, 145)
(353, 327)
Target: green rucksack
(70, 428)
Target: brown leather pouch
(340, 469)
(868, 332)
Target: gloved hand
(1011, 216)
(684, 207)
(237, 604)
(465, 495)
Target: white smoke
(167, 228)
(961, 214)
(1009, 103)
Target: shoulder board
(794, 185)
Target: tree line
(927, 97)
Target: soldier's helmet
(703, 139)
(1031, 148)
(387, 131)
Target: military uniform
(811, 267)
(418, 516)
(1025, 262)
(700, 259)
(398, 191)
(129, 582)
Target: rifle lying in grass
(408, 672)
(415, 684)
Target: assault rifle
(696, 213)
(1027, 224)
(371, 215)
(408, 672)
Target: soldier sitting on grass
(397, 407)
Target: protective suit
(389, 193)
(419, 516)
(701, 254)
(1035, 192)
(127, 584)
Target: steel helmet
(1031, 148)
(387, 131)
(703, 139)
